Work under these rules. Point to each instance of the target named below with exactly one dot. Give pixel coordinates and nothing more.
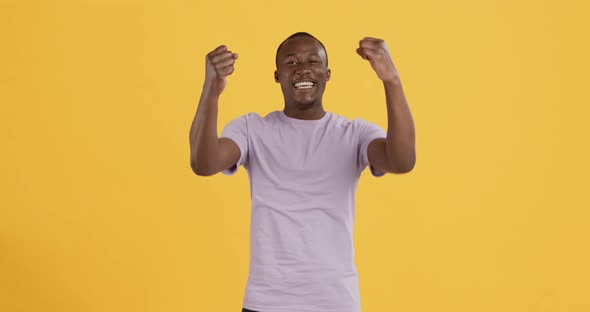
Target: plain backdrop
(100, 211)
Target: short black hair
(300, 34)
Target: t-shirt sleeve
(368, 132)
(237, 131)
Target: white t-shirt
(303, 177)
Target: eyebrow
(293, 54)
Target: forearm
(400, 141)
(203, 137)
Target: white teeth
(304, 84)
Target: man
(303, 165)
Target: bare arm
(208, 153)
(396, 153)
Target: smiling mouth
(303, 85)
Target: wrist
(392, 82)
(213, 88)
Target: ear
(276, 76)
(329, 74)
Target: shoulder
(253, 121)
(246, 119)
(272, 119)
(269, 117)
(356, 124)
(250, 116)
(339, 121)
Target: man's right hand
(219, 65)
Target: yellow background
(100, 210)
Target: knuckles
(220, 62)
(373, 43)
(219, 54)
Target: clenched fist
(376, 52)
(220, 64)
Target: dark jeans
(246, 310)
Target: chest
(304, 151)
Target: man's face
(302, 71)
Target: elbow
(201, 170)
(405, 167)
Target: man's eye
(291, 63)
(314, 61)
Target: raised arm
(396, 153)
(210, 154)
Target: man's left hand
(376, 52)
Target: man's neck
(311, 113)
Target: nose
(303, 68)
